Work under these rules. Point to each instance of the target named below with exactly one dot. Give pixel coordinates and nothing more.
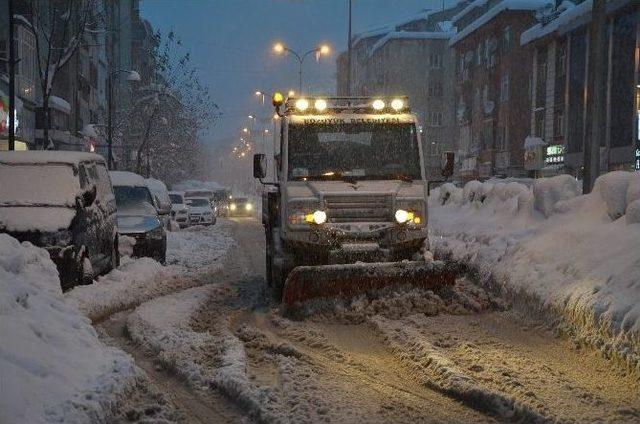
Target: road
(460, 355)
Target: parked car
(209, 194)
(240, 206)
(200, 211)
(179, 209)
(161, 196)
(63, 202)
(138, 215)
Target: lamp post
(322, 49)
(131, 76)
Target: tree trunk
(45, 117)
(145, 140)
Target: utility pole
(12, 82)
(349, 54)
(596, 95)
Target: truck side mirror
(259, 166)
(447, 164)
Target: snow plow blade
(327, 281)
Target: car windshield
(176, 199)
(197, 202)
(132, 196)
(38, 185)
(354, 151)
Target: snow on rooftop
(568, 13)
(43, 157)
(410, 35)
(495, 11)
(469, 8)
(125, 178)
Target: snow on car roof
(44, 157)
(125, 178)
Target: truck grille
(359, 208)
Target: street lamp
(131, 77)
(319, 50)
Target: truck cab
(350, 185)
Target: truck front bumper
(356, 243)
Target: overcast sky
(231, 40)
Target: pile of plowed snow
(549, 245)
(53, 367)
(397, 302)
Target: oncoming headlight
(248, 206)
(232, 206)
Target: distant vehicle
(222, 197)
(179, 209)
(161, 196)
(63, 202)
(200, 211)
(138, 215)
(240, 206)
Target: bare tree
(59, 27)
(172, 111)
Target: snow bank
(549, 191)
(53, 367)
(192, 255)
(574, 258)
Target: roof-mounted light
(320, 105)
(302, 104)
(397, 105)
(378, 104)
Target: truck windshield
(353, 151)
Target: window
(539, 124)
(504, 88)
(435, 119)
(506, 39)
(501, 137)
(27, 66)
(435, 89)
(558, 123)
(487, 135)
(561, 66)
(435, 60)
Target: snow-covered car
(63, 202)
(240, 206)
(200, 211)
(161, 197)
(179, 209)
(138, 216)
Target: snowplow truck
(346, 211)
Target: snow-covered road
(222, 352)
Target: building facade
(411, 58)
(492, 87)
(559, 47)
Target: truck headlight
(232, 206)
(318, 217)
(248, 206)
(403, 216)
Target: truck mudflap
(306, 283)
